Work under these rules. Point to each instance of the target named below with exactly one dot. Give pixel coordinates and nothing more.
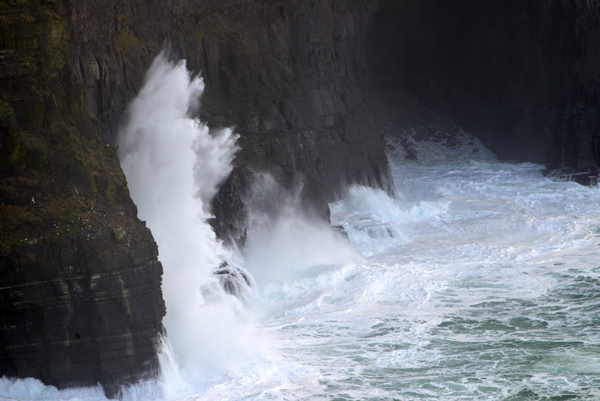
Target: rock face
(81, 311)
(523, 76)
(289, 75)
(80, 298)
(80, 283)
(292, 77)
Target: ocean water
(478, 280)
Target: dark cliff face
(523, 76)
(81, 311)
(80, 298)
(290, 76)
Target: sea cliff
(299, 80)
(522, 76)
(80, 285)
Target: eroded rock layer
(81, 311)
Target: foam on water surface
(479, 280)
(485, 288)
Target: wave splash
(174, 166)
(376, 222)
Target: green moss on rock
(128, 46)
(57, 177)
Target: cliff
(289, 75)
(80, 297)
(522, 76)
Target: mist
(174, 167)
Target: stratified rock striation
(80, 280)
(81, 311)
(289, 75)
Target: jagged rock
(234, 280)
(584, 176)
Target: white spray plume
(174, 167)
(283, 239)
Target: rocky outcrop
(523, 76)
(81, 311)
(80, 282)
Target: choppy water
(479, 281)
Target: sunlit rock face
(523, 76)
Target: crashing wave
(234, 280)
(587, 176)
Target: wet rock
(234, 280)
(82, 311)
(340, 229)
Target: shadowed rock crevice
(522, 76)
